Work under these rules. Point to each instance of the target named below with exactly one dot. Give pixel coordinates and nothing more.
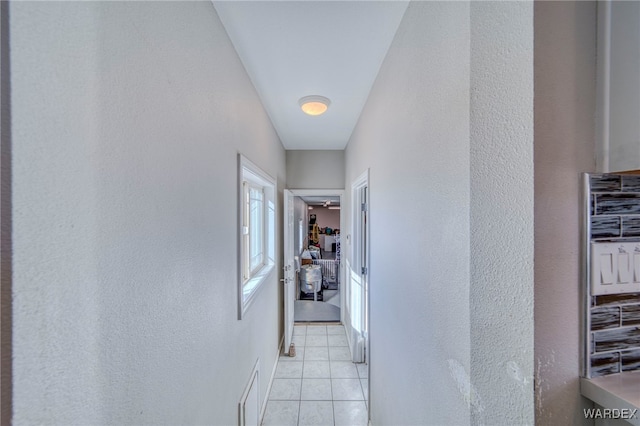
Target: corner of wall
(564, 131)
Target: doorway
(314, 233)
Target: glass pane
(256, 228)
(272, 232)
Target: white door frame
(289, 291)
(330, 193)
(360, 256)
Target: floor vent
(249, 406)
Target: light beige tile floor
(320, 385)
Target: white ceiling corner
(292, 49)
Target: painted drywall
(448, 136)
(624, 86)
(315, 169)
(127, 120)
(413, 135)
(6, 274)
(326, 218)
(565, 91)
(502, 212)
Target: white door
(364, 264)
(359, 276)
(289, 269)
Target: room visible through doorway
(317, 247)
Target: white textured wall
(502, 212)
(413, 135)
(127, 121)
(315, 169)
(565, 61)
(624, 87)
(447, 133)
(5, 221)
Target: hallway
(320, 386)
(127, 123)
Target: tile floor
(332, 297)
(320, 385)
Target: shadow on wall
(6, 248)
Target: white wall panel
(502, 212)
(315, 169)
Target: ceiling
(321, 200)
(293, 49)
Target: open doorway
(317, 255)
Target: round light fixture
(314, 105)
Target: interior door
(364, 263)
(359, 275)
(289, 269)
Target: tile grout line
(333, 405)
(302, 374)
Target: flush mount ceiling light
(314, 105)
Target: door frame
(288, 266)
(357, 256)
(330, 193)
(360, 259)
